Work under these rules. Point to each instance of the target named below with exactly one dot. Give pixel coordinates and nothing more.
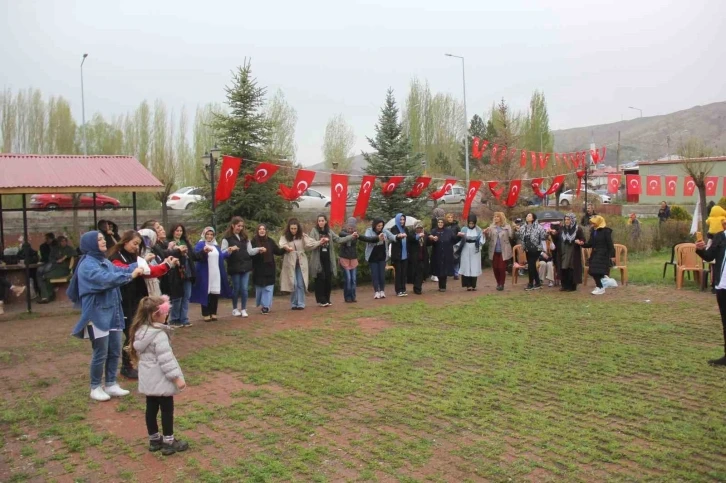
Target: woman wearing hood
(376, 252)
(323, 262)
(442, 255)
(569, 253)
(400, 237)
(211, 281)
(472, 239)
(603, 251)
(94, 288)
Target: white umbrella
(696, 223)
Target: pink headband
(164, 307)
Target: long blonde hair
(144, 315)
(502, 218)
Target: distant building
(675, 168)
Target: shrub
(679, 214)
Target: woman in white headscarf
(211, 281)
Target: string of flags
(500, 153)
(659, 185)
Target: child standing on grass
(160, 376)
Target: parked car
(352, 198)
(65, 200)
(312, 199)
(457, 194)
(567, 197)
(184, 198)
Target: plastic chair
(674, 255)
(621, 262)
(688, 261)
(586, 252)
(519, 261)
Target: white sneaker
(99, 394)
(244, 313)
(116, 391)
(236, 313)
(434, 278)
(377, 295)
(551, 284)
(383, 294)
(598, 291)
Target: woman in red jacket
(123, 254)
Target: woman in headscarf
(442, 255)
(294, 273)
(376, 251)
(349, 259)
(263, 249)
(569, 252)
(152, 257)
(436, 214)
(472, 239)
(500, 247)
(211, 281)
(95, 288)
(399, 237)
(418, 259)
(323, 262)
(533, 237)
(603, 251)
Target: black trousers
(568, 279)
(532, 258)
(4, 287)
(125, 358)
(400, 266)
(211, 307)
(166, 404)
(598, 280)
(323, 286)
(418, 276)
(721, 299)
(442, 281)
(467, 282)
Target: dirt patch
(371, 325)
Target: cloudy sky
(592, 59)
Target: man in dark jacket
(716, 252)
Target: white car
(567, 196)
(184, 198)
(457, 194)
(312, 199)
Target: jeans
(378, 274)
(297, 296)
(263, 295)
(350, 284)
(106, 354)
(240, 283)
(180, 306)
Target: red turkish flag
(534, 159)
(536, 185)
(653, 186)
(493, 188)
(303, 180)
(421, 183)
(632, 183)
(523, 159)
(227, 177)
(388, 187)
(515, 187)
(579, 174)
(544, 158)
(448, 184)
(263, 173)
(689, 186)
(339, 194)
(474, 186)
(613, 183)
(475, 152)
(364, 195)
(495, 149)
(502, 154)
(556, 184)
(711, 183)
(671, 182)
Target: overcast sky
(592, 59)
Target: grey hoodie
(158, 368)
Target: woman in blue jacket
(95, 288)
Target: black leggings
(532, 258)
(598, 280)
(401, 269)
(166, 403)
(211, 307)
(721, 299)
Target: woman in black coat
(263, 249)
(442, 254)
(569, 253)
(603, 251)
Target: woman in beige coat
(500, 247)
(323, 261)
(294, 274)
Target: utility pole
(617, 155)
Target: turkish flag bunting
(579, 174)
(632, 183)
(474, 186)
(364, 195)
(536, 185)
(689, 186)
(388, 187)
(421, 183)
(227, 177)
(613, 183)
(493, 188)
(598, 155)
(711, 184)
(339, 193)
(502, 154)
(670, 185)
(263, 173)
(556, 184)
(475, 153)
(534, 159)
(448, 184)
(653, 186)
(557, 159)
(515, 187)
(523, 159)
(495, 149)
(303, 180)
(544, 158)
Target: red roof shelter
(24, 174)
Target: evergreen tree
(244, 131)
(393, 156)
(477, 128)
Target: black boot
(175, 446)
(128, 371)
(718, 362)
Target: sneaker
(175, 446)
(377, 295)
(399, 294)
(405, 294)
(434, 278)
(207, 318)
(116, 391)
(214, 318)
(99, 394)
(236, 313)
(265, 310)
(528, 288)
(551, 284)
(321, 305)
(186, 324)
(598, 291)
(383, 294)
(156, 444)
(243, 313)
(537, 286)
(718, 362)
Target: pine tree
(244, 131)
(393, 156)
(478, 129)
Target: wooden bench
(60, 284)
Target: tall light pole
(466, 118)
(83, 109)
(210, 160)
(636, 109)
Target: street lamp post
(636, 109)
(83, 109)
(466, 119)
(210, 160)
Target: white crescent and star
(339, 188)
(228, 173)
(555, 186)
(634, 183)
(690, 186)
(304, 186)
(653, 184)
(472, 192)
(261, 173)
(672, 185)
(515, 189)
(709, 185)
(366, 186)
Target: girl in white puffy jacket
(160, 376)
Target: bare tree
(204, 138)
(338, 143)
(698, 166)
(283, 118)
(161, 161)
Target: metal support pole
(212, 167)
(26, 253)
(133, 198)
(95, 212)
(466, 124)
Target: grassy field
(504, 386)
